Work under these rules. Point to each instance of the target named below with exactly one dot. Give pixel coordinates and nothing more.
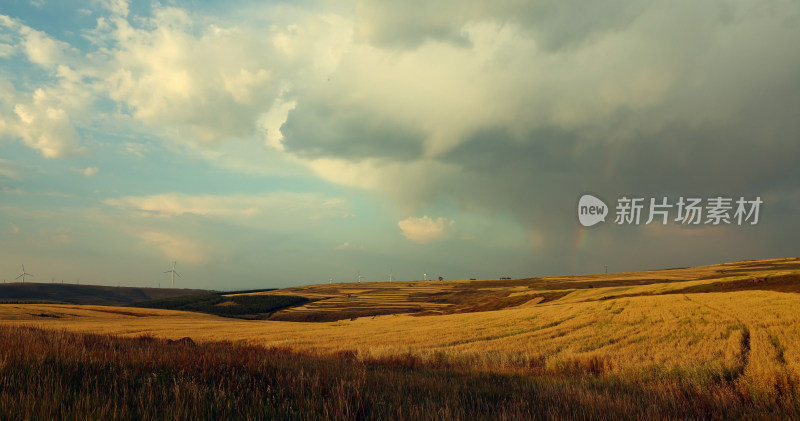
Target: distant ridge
(87, 294)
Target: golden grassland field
(716, 341)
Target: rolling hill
(86, 294)
(713, 342)
(330, 302)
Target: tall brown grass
(46, 374)
(724, 345)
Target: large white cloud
(47, 129)
(208, 82)
(42, 117)
(38, 46)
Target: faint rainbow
(577, 245)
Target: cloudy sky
(273, 144)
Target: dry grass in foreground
(60, 375)
(750, 336)
(720, 341)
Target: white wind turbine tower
(358, 279)
(390, 275)
(173, 272)
(425, 276)
(23, 274)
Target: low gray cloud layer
(315, 131)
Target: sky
(271, 144)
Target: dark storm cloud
(396, 24)
(322, 131)
(622, 98)
(518, 108)
(557, 24)
(539, 177)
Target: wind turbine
(173, 272)
(358, 279)
(425, 276)
(390, 275)
(22, 275)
